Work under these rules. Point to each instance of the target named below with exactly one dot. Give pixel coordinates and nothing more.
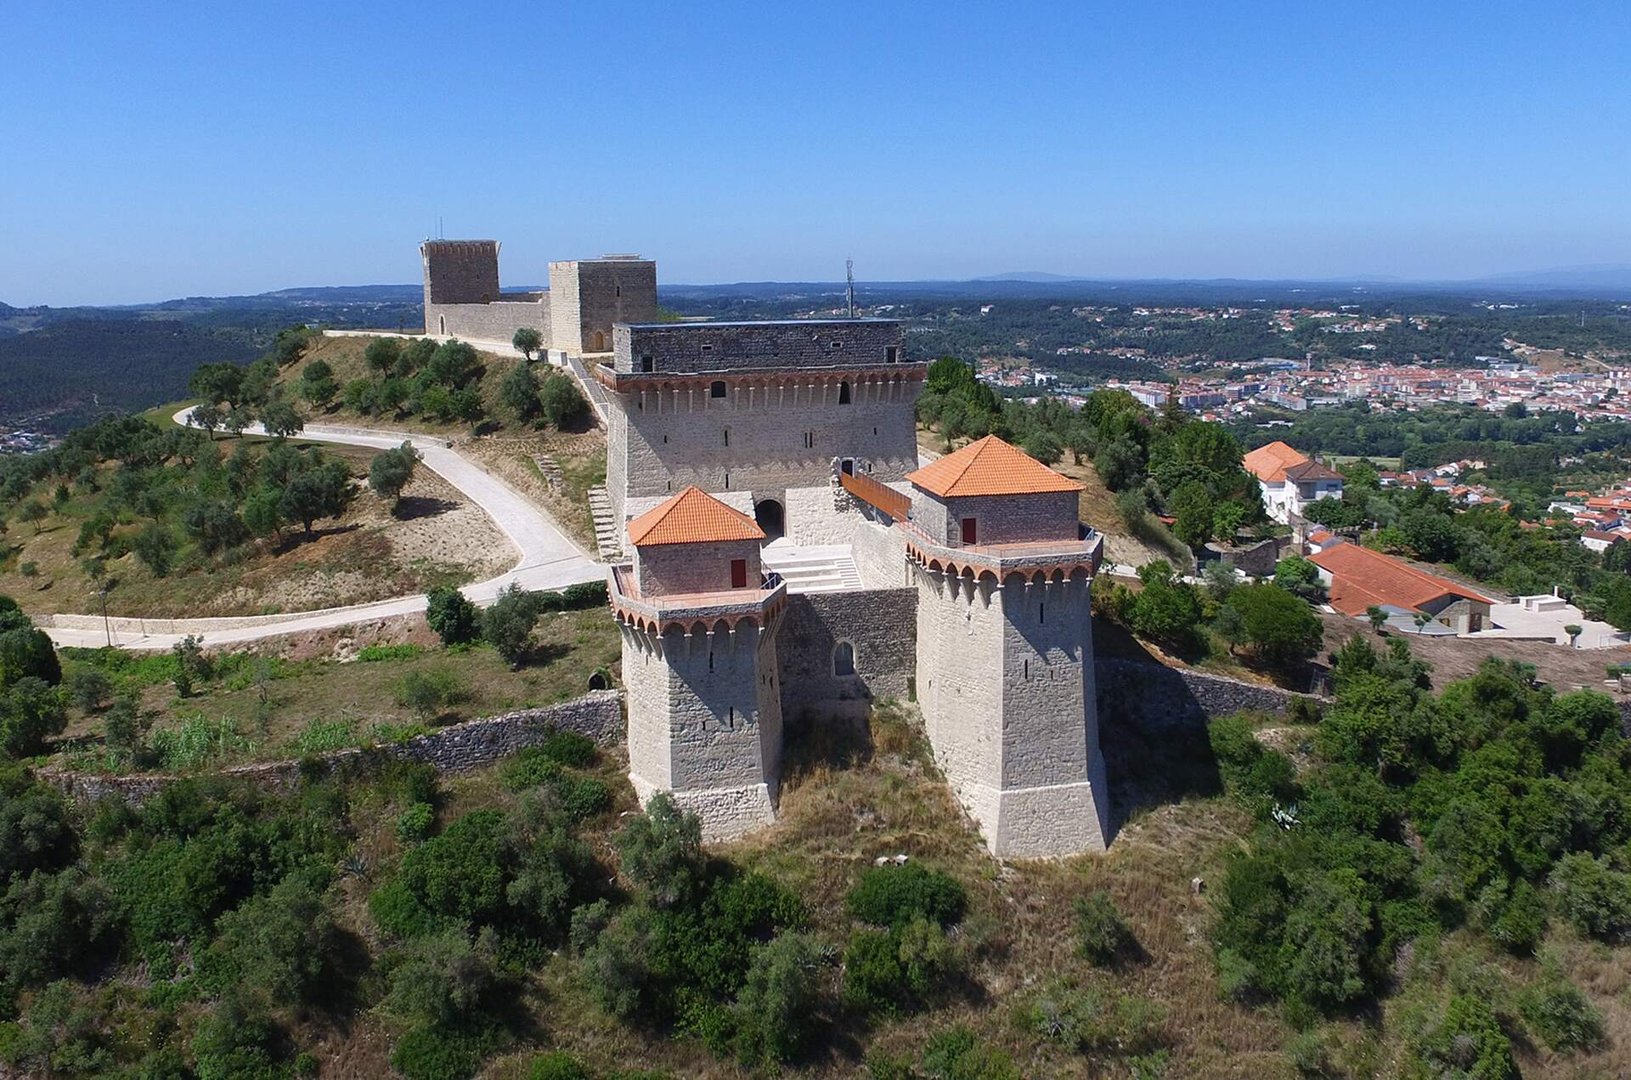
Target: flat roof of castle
(751, 322)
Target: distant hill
(1592, 279)
(66, 373)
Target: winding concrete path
(548, 559)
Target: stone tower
(699, 625)
(1005, 647)
(586, 296)
(460, 271)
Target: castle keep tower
(1005, 647)
(699, 625)
(758, 410)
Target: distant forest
(62, 368)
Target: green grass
(282, 708)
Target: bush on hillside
(451, 614)
(893, 895)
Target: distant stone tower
(586, 296)
(699, 627)
(1005, 647)
(458, 272)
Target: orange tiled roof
(1361, 578)
(989, 466)
(692, 517)
(1269, 463)
(876, 493)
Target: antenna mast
(849, 275)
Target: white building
(1290, 480)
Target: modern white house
(1290, 480)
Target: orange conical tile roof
(989, 466)
(692, 517)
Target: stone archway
(770, 516)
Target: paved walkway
(548, 559)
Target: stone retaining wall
(454, 749)
(1154, 695)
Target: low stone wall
(1153, 695)
(458, 748)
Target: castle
(573, 317)
(790, 559)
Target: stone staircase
(608, 531)
(812, 569)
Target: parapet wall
(454, 749)
(698, 348)
(880, 625)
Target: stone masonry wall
(756, 439)
(880, 556)
(497, 321)
(1015, 519)
(881, 626)
(454, 749)
(1155, 696)
(459, 271)
(676, 569)
(695, 348)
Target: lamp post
(107, 628)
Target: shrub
(414, 823)
(558, 1064)
(27, 653)
(1593, 898)
(429, 693)
(1260, 778)
(1101, 934)
(443, 979)
(451, 614)
(507, 624)
(892, 895)
(661, 852)
(1467, 1042)
(562, 403)
(1557, 1011)
(324, 737)
(775, 1011)
(1092, 1020)
(30, 711)
(435, 1053)
(957, 1055)
(890, 971)
(232, 1043)
(276, 945)
(457, 877)
(87, 688)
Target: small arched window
(716, 388)
(843, 392)
(843, 659)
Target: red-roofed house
(1360, 579)
(1290, 480)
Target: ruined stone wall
(758, 439)
(879, 624)
(821, 515)
(497, 321)
(458, 748)
(695, 348)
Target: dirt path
(548, 559)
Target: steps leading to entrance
(812, 569)
(608, 533)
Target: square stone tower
(586, 296)
(1005, 647)
(699, 623)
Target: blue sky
(168, 149)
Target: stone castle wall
(879, 624)
(497, 321)
(1003, 519)
(454, 749)
(699, 348)
(755, 440)
(673, 569)
(880, 556)
(1153, 695)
